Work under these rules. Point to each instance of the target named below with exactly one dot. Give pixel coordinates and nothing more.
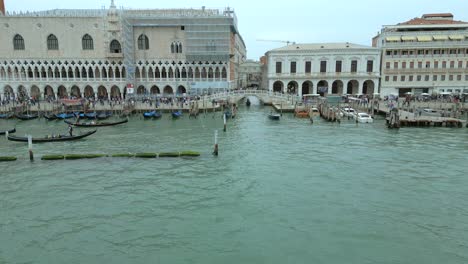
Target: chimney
(2, 7)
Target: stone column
(361, 84)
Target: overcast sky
(302, 21)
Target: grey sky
(302, 21)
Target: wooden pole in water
(215, 152)
(224, 117)
(31, 155)
(6, 134)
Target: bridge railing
(261, 93)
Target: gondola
(152, 114)
(6, 116)
(176, 114)
(50, 117)
(103, 116)
(247, 103)
(274, 116)
(97, 124)
(65, 116)
(9, 131)
(91, 115)
(51, 138)
(26, 117)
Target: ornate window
(143, 42)
(176, 47)
(87, 42)
(52, 42)
(115, 47)
(18, 42)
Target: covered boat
(96, 124)
(274, 116)
(65, 115)
(176, 114)
(152, 114)
(52, 138)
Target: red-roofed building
(424, 55)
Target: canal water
(283, 191)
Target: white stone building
(250, 74)
(101, 52)
(326, 68)
(424, 55)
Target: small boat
(363, 118)
(96, 124)
(247, 103)
(65, 116)
(9, 131)
(176, 114)
(26, 117)
(50, 117)
(152, 114)
(6, 116)
(301, 113)
(51, 138)
(91, 115)
(274, 116)
(103, 116)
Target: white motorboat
(348, 112)
(364, 118)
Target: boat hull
(9, 131)
(55, 139)
(102, 124)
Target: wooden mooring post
(215, 152)
(31, 155)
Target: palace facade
(424, 55)
(325, 68)
(113, 52)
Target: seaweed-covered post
(224, 117)
(31, 155)
(215, 152)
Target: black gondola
(96, 124)
(26, 117)
(274, 116)
(52, 138)
(50, 117)
(9, 131)
(103, 116)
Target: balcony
(114, 55)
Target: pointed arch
(150, 73)
(49, 93)
(97, 73)
(115, 47)
(57, 74)
(52, 42)
(171, 73)
(35, 93)
(104, 72)
(224, 73)
(115, 92)
(18, 42)
(168, 90)
(62, 92)
(155, 90)
(163, 73)
(141, 90)
(143, 42)
(90, 73)
(217, 73)
(184, 73)
(89, 92)
(210, 73)
(77, 73)
(87, 42)
(117, 74)
(102, 93)
(181, 90)
(75, 92)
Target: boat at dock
(9, 131)
(6, 116)
(103, 116)
(65, 116)
(96, 124)
(176, 114)
(26, 117)
(152, 114)
(50, 117)
(363, 118)
(53, 138)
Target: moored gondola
(9, 131)
(6, 116)
(176, 114)
(26, 117)
(50, 117)
(274, 116)
(96, 124)
(152, 114)
(53, 138)
(103, 116)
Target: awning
(457, 37)
(408, 38)
(424, 38)
(392, 39)
(440, 37)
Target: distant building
(250, 74)
(101, 52)
(326, 68)
(424, 55)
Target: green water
(279, 192)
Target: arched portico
(307, 87)
(278, 86)
(292, 87)
(49, 92)
(62, 92)
(75, 92)
(141, 90)
(102, 93)
(181, 90)
(322, 87)
(337, 87)
(8, 92)
(168, 90)
(368, 87)
(89, 92)
(352, 87)
(115, 92)
(155, 90)
(35, 92)
(22, 93)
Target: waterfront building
(113, 51)
(325, 68)
(250, 74)
(424, 55)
